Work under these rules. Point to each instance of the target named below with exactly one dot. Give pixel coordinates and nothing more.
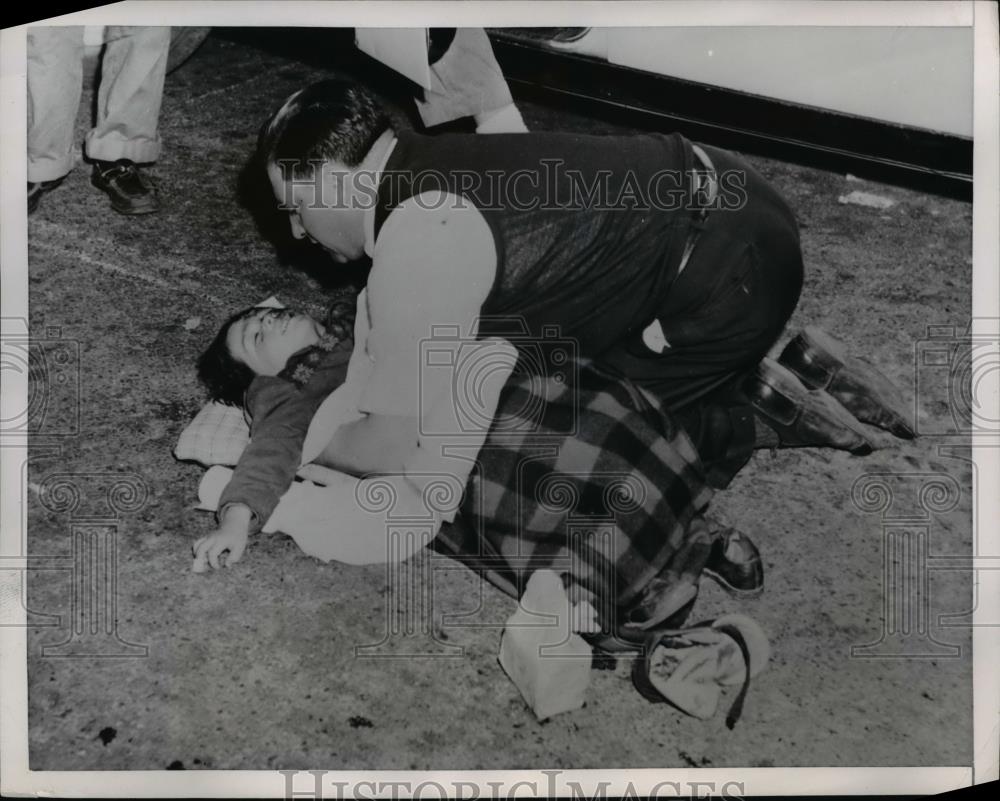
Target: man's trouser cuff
(113, 147)
(51, 169)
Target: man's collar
(369, 221)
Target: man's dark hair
(331, 120)
(226, 378)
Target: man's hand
(230, 537)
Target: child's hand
(231, 536)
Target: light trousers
(128, 98)
(466, 82)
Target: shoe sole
(834, 357)
(783, 380)
(732, 591)
(610, 644)
(132, 211)
(786, 383)
(823, 343)
(629, 639)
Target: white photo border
(981, 15)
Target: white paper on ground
(548, 664)
(868, 199)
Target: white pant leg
(55, 82)
(130, 94)
(353, 521)
(466, 82)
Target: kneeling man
(675, 264)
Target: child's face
(265, 338)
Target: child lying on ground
(624, 461)
(280, 365)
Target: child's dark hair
(226, 378)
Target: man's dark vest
(589, 230)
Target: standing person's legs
(128, 112)
(466, 81)
(54, 82)
(129, 96)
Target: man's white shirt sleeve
(434, 264)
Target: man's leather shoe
(130, 191)
(735, 563)
(823, 363)
(38, 188)
(802, 417)
(662, 604)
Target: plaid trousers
(589, 477)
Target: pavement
(257, 666)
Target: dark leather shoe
(38, 188)
(130, 191)
(802, 417)
(663, 605)
(823, 363)
(735, 564)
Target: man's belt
(705, 189)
